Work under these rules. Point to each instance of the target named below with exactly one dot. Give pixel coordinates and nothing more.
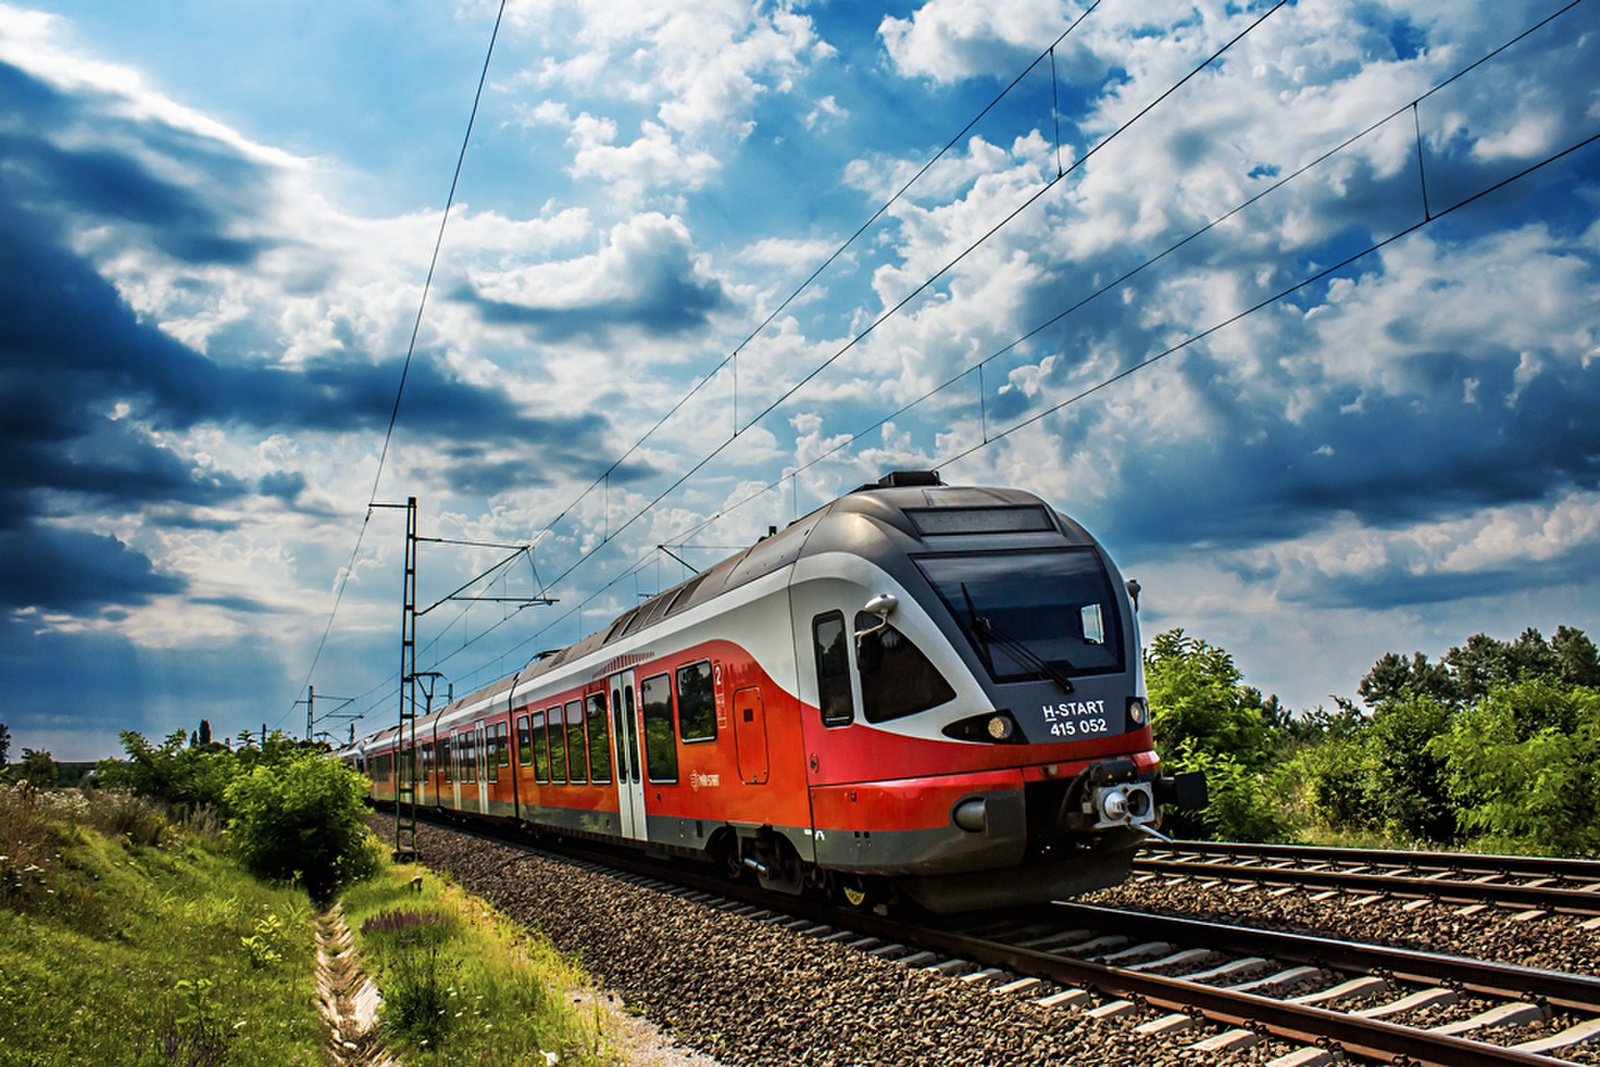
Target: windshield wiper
(986, 631)
(977, 631)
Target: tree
(189, 776)
(1404, 776)
(5, 746)
(39, 769)
(1523, 766)
(302, 819)
(1578, 660)
(1198, 695)
(1395, 678)
(1205, 718)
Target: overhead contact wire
(611, 535)
(411, 347)
(695, 389)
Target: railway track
(1230, 987)
(1474, 881)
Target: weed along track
(348, 997)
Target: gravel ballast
(1554, 942)
(752, 993)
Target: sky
(1293, 306)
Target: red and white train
(929, 689)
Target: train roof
(916, 503)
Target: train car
(918, 688)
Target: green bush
(1523, 767)
(1242, 803)
(1404, 780)
(1328, 783)
(1204, 718)
(303, 819)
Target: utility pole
(405, 764)
(406, 756)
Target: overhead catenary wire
(731, 360)
(1120, 280)
(732, 357)
(611, 534)
(411, 347)
(956, 455)
(1430, 216)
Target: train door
(481, 753)
(457, 741)
(625, 742)
(419, 771)
(750, 735)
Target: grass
(462, 984)
(128, 938)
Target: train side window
(896, 678)
(660, 746)
(524, 748)
(697, 703)
(599, 739)
(558, 744)
(469, 757)
(830, 641)
(504, 733)
(491, 753)
(427, 761)
(576, 763)
(444, 761)
(541, 751)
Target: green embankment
(125, 939)
(462, 984)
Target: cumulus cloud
(950, 39)
(200, 349)
(691, 74)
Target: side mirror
(869, 652)
(882, 604)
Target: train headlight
(991, 728)
(1138, 711)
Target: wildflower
(550, 1059)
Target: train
(917, 692)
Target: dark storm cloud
(73, 692)
(114, 186)
(1407, 578)
(647, 281)
(83, 379)
(1391, 461)
(71, 571)
(679, 306)
(285, 485)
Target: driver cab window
(896, 678)
(834, 698)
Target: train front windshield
(1056, 606)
